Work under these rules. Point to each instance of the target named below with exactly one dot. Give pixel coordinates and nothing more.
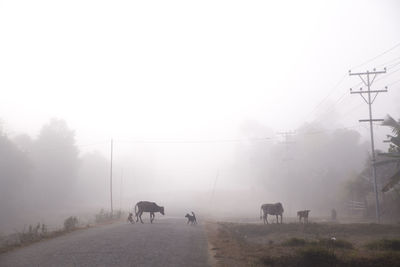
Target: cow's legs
(152, 217)
(140, 216)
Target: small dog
(191, 218)
(130, 218)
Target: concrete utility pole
(111, 174)
(120, 190)
(287, 158)
(215, 184)
(368, 82)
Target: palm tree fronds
(392, 123)
(395, 140)
(392, 182)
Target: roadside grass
(315, 229)
(323, 257)
(323, 242)
(39, 232)
(33, 235)
(384, 244)
(335, 243)
(295, 242)
(306, 244)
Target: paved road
(167, 242)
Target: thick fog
(197, 98)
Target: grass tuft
(338, 243)
(316, 256)
(295, 242)
(385, 244)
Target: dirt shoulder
(236, 244)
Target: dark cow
(146, 206)
(271, 209)
(303, 214)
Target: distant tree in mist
(55, 157)
(309, 172)
(14, 166)
(24, 142)
(15, 177)
(39, 177)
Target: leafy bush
(34, 233)
(70, 223)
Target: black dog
(191, 218)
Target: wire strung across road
(383, 53)
(202, 141)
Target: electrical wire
(381, 54)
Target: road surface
(166, 242)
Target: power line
(328, 130)
(393, 65)
(328, 95)
(331, 108)
(391, 73)
(383, 53)
(351, 110)
(388, 62)
(393, 82)
(195, 141)
(226, 140)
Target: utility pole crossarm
(368, 120)
(367, 92)
(368, 72)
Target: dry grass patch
(303, 244)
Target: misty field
(314, 244)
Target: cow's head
(162, 210)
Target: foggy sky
(128, 69)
